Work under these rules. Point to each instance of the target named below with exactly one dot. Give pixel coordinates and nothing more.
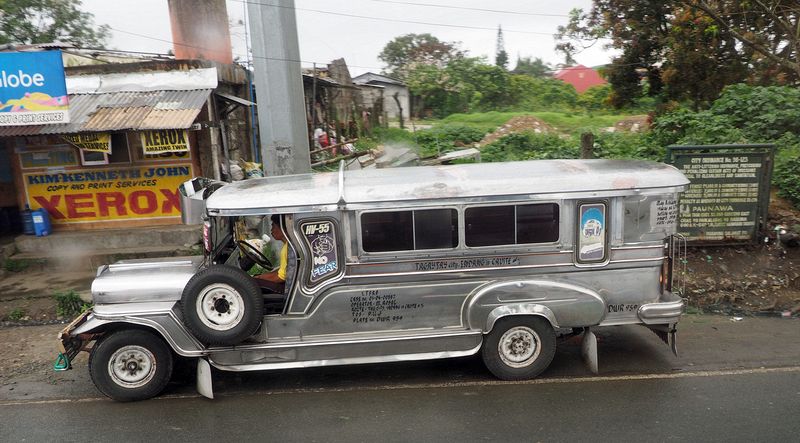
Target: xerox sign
(32, 89)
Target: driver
(275, 281)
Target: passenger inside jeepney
(275, 281)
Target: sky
(327, 29)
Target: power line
(464, 8)
(237, 55)
(393, 20)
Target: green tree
(679, 49)
(466, 84)
(770, 29)
(595, 98)
(501, 56)
(638, 28)
(533, 67)
(701, 60)
(45, 21)
(407, 51)
(428, 84)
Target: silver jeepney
(404, 264)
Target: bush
(445, 138)
(69, 304)
(595, 98)
(17, 314)
(529, 146)
(392, 134)
(622, 145)
(787, 178)
(694, 128)
(12, 265)
(744, 114)
(762, 112)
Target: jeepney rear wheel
(222, 305)
(130, 365)
(519, 348)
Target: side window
(537, 223)
(387, 231)
(592, 229)
(409, 230)
(435, 229)
(512, 224)
(491, 225)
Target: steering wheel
(254, 254)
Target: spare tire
(222, 305)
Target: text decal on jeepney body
(466, 263)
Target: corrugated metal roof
(369, 77)
(116, 111)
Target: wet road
(743, 405)
(734, 381)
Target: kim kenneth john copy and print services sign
(125, 193)
(32, 89)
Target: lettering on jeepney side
(372, 306)
(466, 263)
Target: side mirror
(193, 198)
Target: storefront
(132, 139)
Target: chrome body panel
(162, 317)
(246, 366)
(344, 350)
(667, 309)
(373, 318)
(144, 280)
(421, 304)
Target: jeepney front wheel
(222, 305)
(519, 348)
(130, 365)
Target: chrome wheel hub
(132, 366)
(220, 307)
(519, 347)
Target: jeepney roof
(443, 184)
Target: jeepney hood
(145, 280)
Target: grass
(570, 123)
(485, 121)
(16, 314)
(12, 265)
(69, 304)
(565, 122)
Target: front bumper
(70, 345)
(667, 310)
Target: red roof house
(581, 77)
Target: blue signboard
(32, 89)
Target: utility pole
(279, 88)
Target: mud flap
(204, 385)
(589, 350)
(668, 334)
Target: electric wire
(393, 20)
(464, 8)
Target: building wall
(390, 105)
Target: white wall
(389, 104)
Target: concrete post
(279, 88)
(587, 145)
